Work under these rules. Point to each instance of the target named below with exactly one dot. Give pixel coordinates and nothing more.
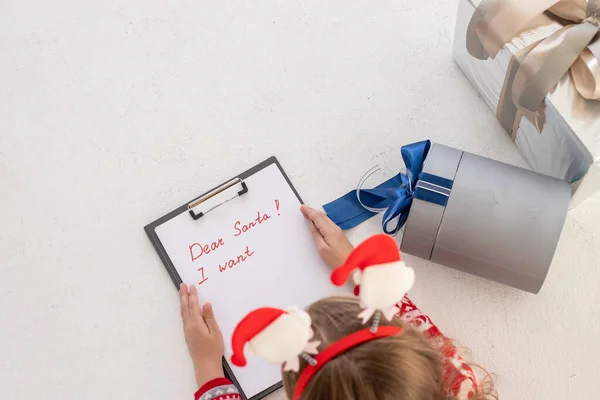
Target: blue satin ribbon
(394, 195)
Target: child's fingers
(317, 237)
(195, 312)
(307, 210)
(209, 317)
(322, 222)
(184, 302)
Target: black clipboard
(150, 231)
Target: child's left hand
(202, 335)
(332, 244)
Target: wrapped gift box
(499, 222)
(562, 141)
(466, 212)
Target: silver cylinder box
(500, 222)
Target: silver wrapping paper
(568, 146)
(501, 222)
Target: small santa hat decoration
(376, 250)
(280, 336)
(384, 278)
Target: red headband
(337, 348)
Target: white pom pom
(299, 315)
(356, 275)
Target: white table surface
(113, 113)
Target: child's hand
(330, 240)
(202, 335)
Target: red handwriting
(204, 249)
(243, 228)
(233, 262)
(203, 278)
(197, 250)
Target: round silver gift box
(501, 222)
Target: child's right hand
(202, 335)
(332, 244)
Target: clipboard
(199, 208)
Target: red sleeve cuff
(211, 385)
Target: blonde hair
(402, 367)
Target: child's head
(404, 366)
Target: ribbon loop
(501, 21)
(394, 196)
(548, 62)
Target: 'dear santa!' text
(197, 250)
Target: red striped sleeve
(218, 389)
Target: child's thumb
(209, 318)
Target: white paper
(284, 268)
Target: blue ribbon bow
(394, 195)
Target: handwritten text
(197, 250)
(204, 249)
(233, 262)
(240, 228)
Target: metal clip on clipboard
(217, 197)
